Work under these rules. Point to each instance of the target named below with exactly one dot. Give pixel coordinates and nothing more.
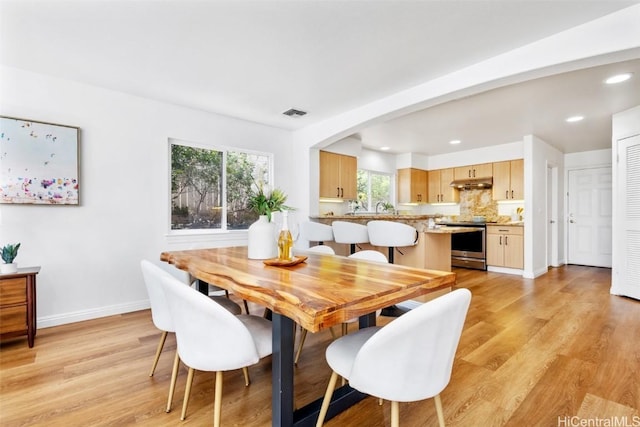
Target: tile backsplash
(478, 203)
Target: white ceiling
(254, 60)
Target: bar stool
(316, 232)
(350, 233)
(393, 235)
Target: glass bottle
(285, 240)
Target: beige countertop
(451, 230)
(385, 217)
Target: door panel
(626, 281)
(589, 222)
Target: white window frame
(223, 230)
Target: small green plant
(10, 252)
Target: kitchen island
(432, 250)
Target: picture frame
(38, 162)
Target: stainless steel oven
(469, 249)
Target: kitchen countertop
(448, 229)
(385, 217)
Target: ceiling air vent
(292, 112)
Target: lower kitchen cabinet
(505, 246)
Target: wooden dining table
(322, 291)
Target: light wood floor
(533, 353)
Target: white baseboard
(95, 313)
(505, 270)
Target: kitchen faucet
(380, 203)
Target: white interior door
(589, 220)
(627, 280)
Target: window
(373, 187)
(210, 187)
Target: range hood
(472, 184)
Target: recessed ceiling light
(574, 119)
(618, 78)
(385, 148)
(455, 141)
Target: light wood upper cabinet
(338, 176)
(505, 246)
(412, 185)
(439, 189)
(508, 180)
(484, 170)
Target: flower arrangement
(263, 200)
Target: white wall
(539, 155)
(90, 254)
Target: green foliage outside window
(197, 193)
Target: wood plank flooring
(533, 353)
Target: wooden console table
(18, 304)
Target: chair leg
(163, 338)
(327, 399)
(395, 414)
(187, 393)
(333, 333)
(246, 306)
(174, 377)
(438, 402)
(217, 403)
(247, 381)
(303, 336)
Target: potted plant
(9, 253)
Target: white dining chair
(409, 359)
(393, 235)
(318, 249)
(153, 273)
(210, 338)
(321, 249)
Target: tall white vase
(261, 239)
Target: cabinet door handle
(501, 240)
(512, 194)
(337, 191)
(469, 173)
(506, 194)
(341, 192)
(506, 240)
(474, 173)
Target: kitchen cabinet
(505, 246)
(508, 180)
(484, 170)
(412, 185)
(338, 176)
(439, 189)
(18, 304)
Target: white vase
(8, 268)
(261, 239)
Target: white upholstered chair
(153, 273)
(321, 249)
(392, 235)
(370, 255)
(409, 359)
(210, 338)
(318, 249)
(350, 233)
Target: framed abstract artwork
(38, 163)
